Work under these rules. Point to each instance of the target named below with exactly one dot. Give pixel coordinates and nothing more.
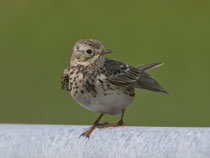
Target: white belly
(112, 104)
(111, 101)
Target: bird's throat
(93, 63)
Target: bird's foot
(102, 125)
(120, 123)
(90, 130)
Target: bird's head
(88, 52)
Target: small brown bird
(102, 85)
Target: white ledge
(62, 141)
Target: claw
(88, 132)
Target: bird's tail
(148, 67)
(147, 82)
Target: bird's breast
(94, 92)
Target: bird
(103, 85)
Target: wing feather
(135, 77)
(121, 73)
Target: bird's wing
(136, 77)
(65, 80)
(121, 74)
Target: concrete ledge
(62, 141)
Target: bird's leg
(103, 125)
(95, 124)
(119, 123)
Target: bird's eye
(89, 51)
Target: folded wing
(124, 75)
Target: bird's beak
(105, 51)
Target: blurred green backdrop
(36, 39)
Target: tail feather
(148, 67)
(146, 82)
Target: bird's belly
(111, 102)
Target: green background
(36, 39)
